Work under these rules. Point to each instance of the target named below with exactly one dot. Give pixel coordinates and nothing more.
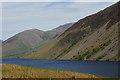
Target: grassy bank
(17, 71)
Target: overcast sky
(20, 16)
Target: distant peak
(33, 30)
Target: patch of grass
(86, 53)
(107, 60)
(73, 56)
(89, 55)
(74, 43)
(81, 57)
(95, 50)
(100, 58)
(78, 52)
(107, 43)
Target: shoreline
(32, 72)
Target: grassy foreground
(17, 71)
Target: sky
(20, 16)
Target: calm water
(102, 68)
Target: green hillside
(30, 40)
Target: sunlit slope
(28, 41)
(19, 44)
(94, 37)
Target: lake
(102, 68)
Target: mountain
(0, 46)
(30, 40)
(0, 41)
(20, 43)
(94, 37)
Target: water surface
(102, 68)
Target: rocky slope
(30, 40)
(94, 37)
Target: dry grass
(17, 71)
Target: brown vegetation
(17, 71)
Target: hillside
(0, 47)
(54, 33)
(94, 37)
(0, 42)
(30, 40)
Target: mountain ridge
(26, 41)
(94, 37)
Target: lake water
(102, 68)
